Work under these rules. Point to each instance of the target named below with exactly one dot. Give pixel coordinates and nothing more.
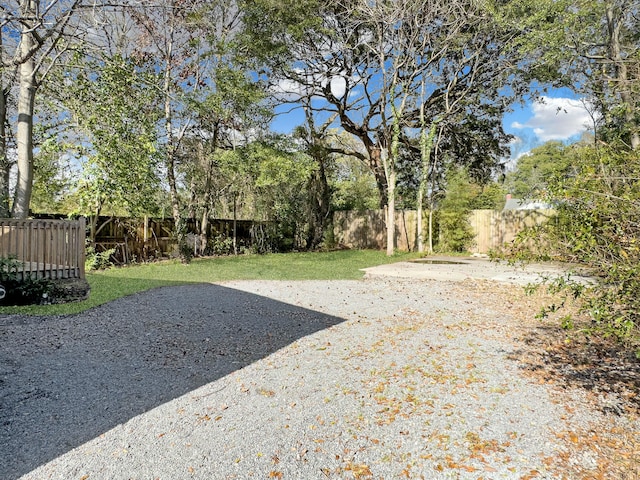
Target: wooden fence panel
(368, 229)
(492, 229)
(45, 248)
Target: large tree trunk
(5, 164)
(391, 213)
(377, 168)
(24, 132)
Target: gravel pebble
(379, 378)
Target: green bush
(456, 233)
(22, 289)
(220, 245)
(98, 260)
(598, 227)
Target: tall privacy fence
(492, 229)
(44, 248)
(367, 229)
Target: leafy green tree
(490, 196)
(223, 118)
(353, 186)
(454, 209)
(597, 227)
(281, 177)
(590, 46)
(53, 178)
(33, 37)
(111, 108)
(533, 171)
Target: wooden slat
(50, 248)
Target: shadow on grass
(65, 380)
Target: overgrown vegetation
(597, 227)
(98, 260)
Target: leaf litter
(424, 379)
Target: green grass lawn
(114, 283)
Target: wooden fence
(147, 238)
(492, 229)
(368, 229)
(45, 248)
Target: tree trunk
(26, 98)
(5, 164)
(377, 168)
(391, 213)
(319, 206)
(170, 154)
(431, 229)
(622, 76)
(419, 228)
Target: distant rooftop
(519, 204)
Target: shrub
(22, 289)
(598, 226)
(98, 260)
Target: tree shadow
(65, 380)
(602, 366)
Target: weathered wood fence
(492, 229)
(45, 248)
(148, 237)
(368, 229)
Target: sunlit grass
(114, 283)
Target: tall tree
(111, 109)
(193, 44)
(381, 52)
(590, 46)
(225, 117)
(36, 32)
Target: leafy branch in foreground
(597, 227)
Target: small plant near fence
(98, 260)
(22, 288)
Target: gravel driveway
(379, 378)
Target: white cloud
(338, 86)
(556, 119)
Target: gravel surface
(379, 378)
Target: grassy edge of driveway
(114, 283)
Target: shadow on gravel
(601, 366)
(66, 380)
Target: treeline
(166, 109)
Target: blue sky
(559, 116)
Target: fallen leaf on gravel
(274, 474)
(266, 393)
(359, 471)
